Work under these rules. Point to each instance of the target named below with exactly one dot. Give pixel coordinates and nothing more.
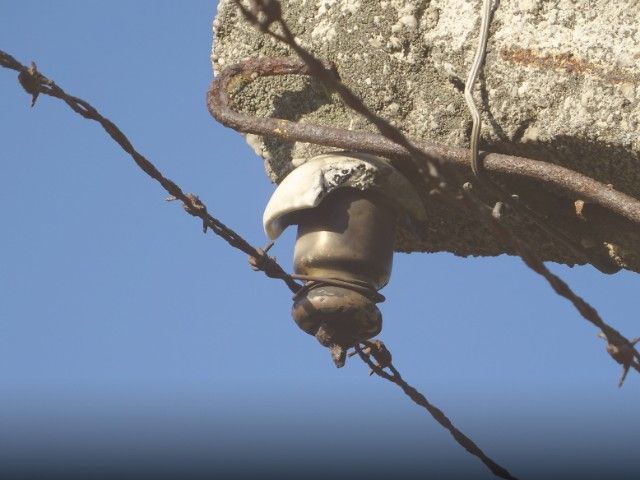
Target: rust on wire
(35, 83)
(623, 353)
(376, 355)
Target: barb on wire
(622, 354)
(266, 15)
(35, 83)
(615, 340)
(382, 357)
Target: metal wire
(379, 352)
(357, 286)
(35, 83)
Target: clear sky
(131, 342)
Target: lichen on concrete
(561, 84)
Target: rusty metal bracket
(570, 183)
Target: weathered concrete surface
(561, 83)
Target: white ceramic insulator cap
(307, 185)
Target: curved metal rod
(570, 182)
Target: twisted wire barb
(35, 83)
(264, 14)
(381, 354)
(615, 340)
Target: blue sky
(130, 340)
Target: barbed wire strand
(478, 168)
(35, 84)
(265, 13)
(588, 312)
(614, 338)
(381, 354)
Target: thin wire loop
(358, 286)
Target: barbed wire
(264, 14)
(383, 360)
(35, 83)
